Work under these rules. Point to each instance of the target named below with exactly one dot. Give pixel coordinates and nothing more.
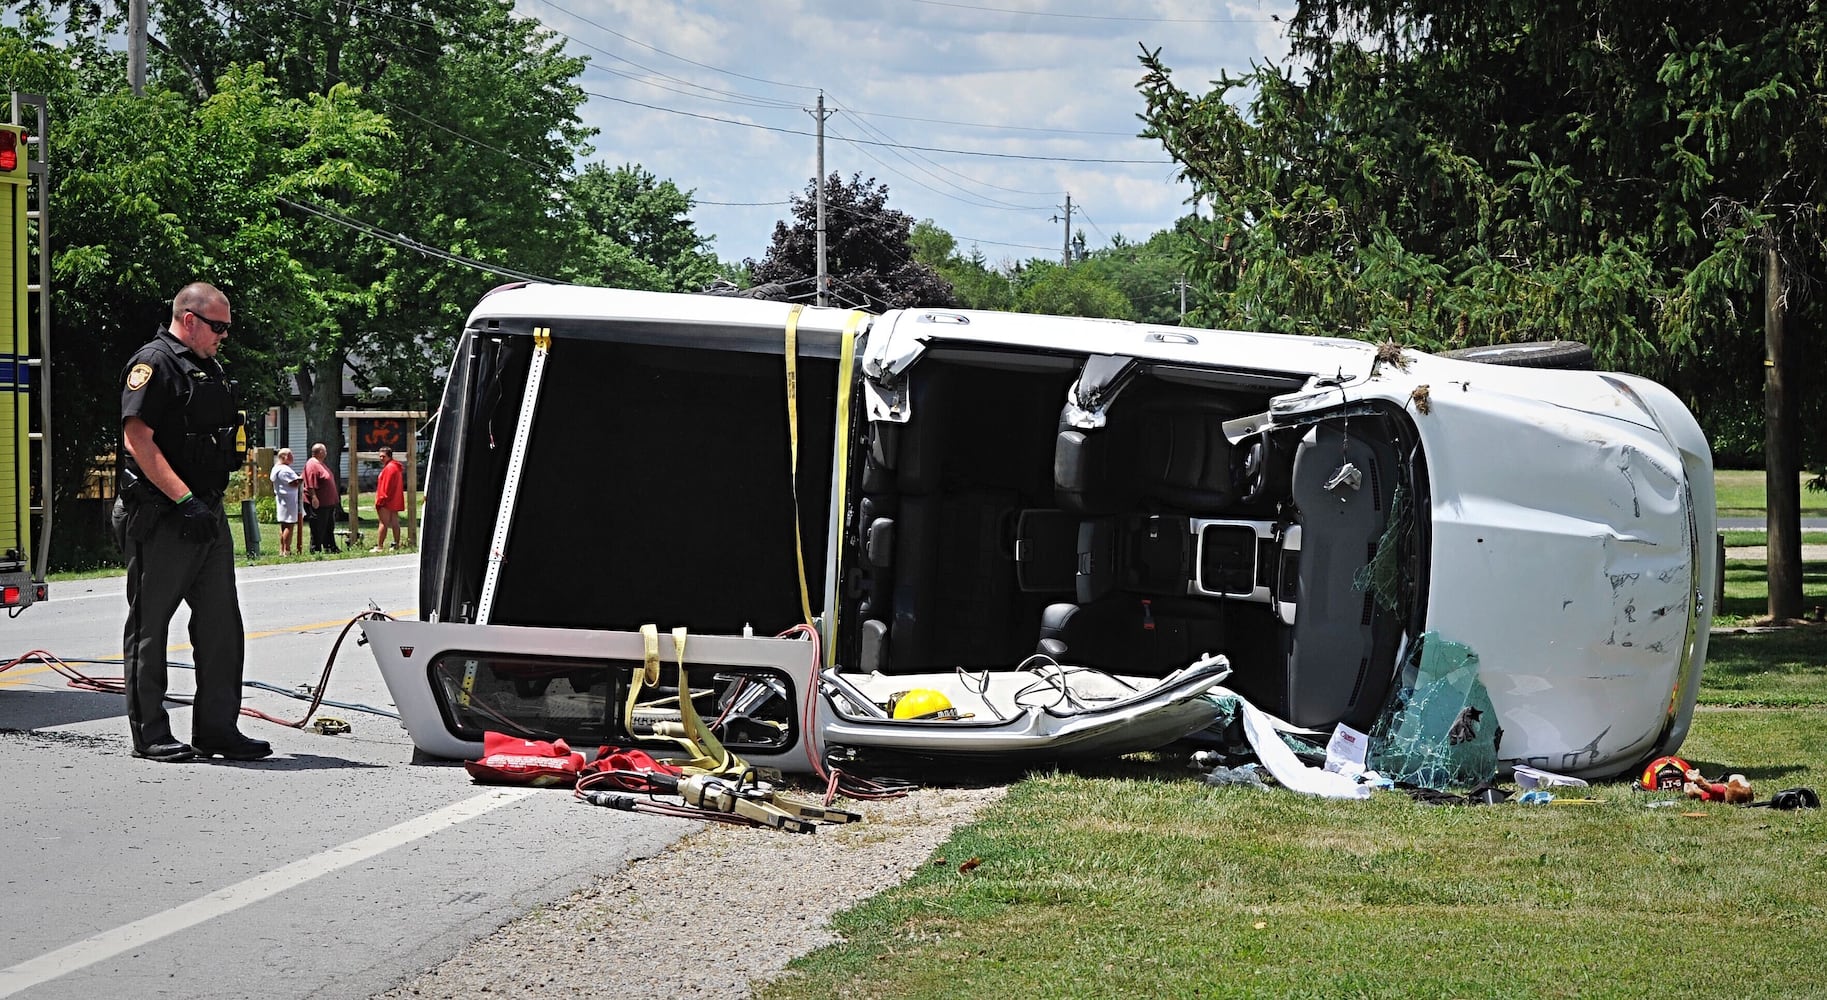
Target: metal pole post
(136, 46)
(821, 198)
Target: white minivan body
(1073, 529)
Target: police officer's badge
(139, 376)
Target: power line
(1098, 17)
(672, 55)
(367, 92)
(740, 203)
(883, 134)
(723, 96)
(741, 100)
(868, 142)
(986, 202)
(955, 236)
(409, 243)
(987, 125)
(1094, 225)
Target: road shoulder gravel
(667, 926)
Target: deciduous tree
(866, 249)
(638, 232)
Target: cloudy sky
(713, 94)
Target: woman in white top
(287, 502)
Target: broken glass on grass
(1438, 732)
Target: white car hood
(1573, 574)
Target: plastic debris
(1246, 775)
(1535, 777)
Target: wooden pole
(412, 482)
(354, 491)
(1782, 470)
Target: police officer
(183, 438)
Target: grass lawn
(1747, 592)
(1137, 880)
(1737, 538)
(269, 541)
(1740, 493)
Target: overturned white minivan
(1072, 529)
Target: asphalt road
(337, 868)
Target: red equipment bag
(630, 770)
(510, 760)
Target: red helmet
(1665, 774)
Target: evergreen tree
(1442, 174)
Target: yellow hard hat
(923, 704)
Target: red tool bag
(510, 760)
(631, 770)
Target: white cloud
(762, 62)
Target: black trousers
(163, 569)
(323, 529)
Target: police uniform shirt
(180, 396)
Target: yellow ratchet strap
(707, 753)
(846, 368)
(799, 544)
(712, 758)
(648, 675)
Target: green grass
(1740, 493)
(1747, 591)
(269, 542)
(1776, 667)
(1136, 880)
(1740, 538)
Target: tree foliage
(318, 160)
(151, 193)
(637, 232)
(1124, 280)
(483, 106)
(1449, 175)
(867, 253)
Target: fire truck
(25, 354)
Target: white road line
(107, 944)
(312, 576)
(241, 579)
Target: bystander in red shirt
(390, 492)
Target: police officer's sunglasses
(219, 327)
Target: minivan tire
(1566, 354)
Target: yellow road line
(20, 675)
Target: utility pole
(1065, 249)
(1180, 283)
(821, 115)
(136, 46)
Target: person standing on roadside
(182, 436)
(288, 502)
(389, 499)
(321, 497)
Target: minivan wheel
(1566, 354)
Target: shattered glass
(1384, 576)
(1439, 731)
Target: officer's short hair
(194, 296)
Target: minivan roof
(580, 307)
